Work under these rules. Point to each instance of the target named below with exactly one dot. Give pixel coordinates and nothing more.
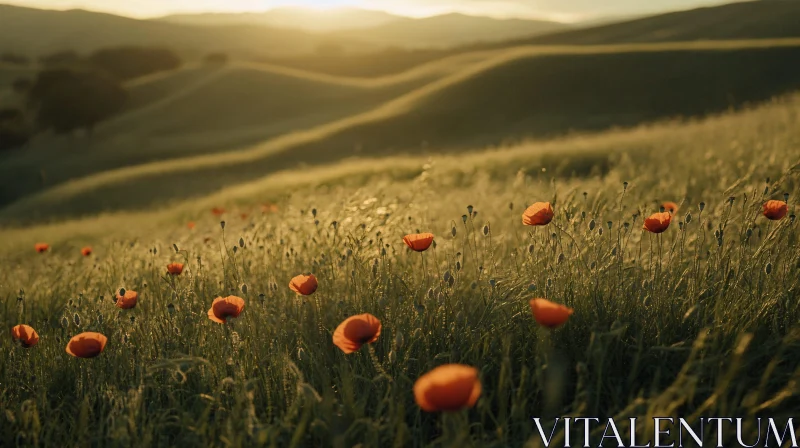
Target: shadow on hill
(533, 97)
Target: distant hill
(294, 18)
(749, 20)
(35, 32)
(745, 20)
(384, 29)
(450, 30)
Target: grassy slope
(665, 326)
(748, 20)
(510, 95)
(178, 114)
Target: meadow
(701, 320)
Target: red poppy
(86, 251)
(775, 210)
(26, 335)
(175, 268)
(658, 222)
(87, 345)
(450, 387)
(217, 211)
(356, 331)
(127, 301)
(41, 247)
(538, 214)
(190, 225)
(244, 216)
(550, 314)
(670, 207)
(304, 284)
(226, 307)
(419, 242)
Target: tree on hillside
(60, 59)
(15, 130)
(132, 62)
(13, 58)
(65, 100)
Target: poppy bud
(702, 206)
(222, 224)
(591, 225)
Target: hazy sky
(555, 9)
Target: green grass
(681, 324)
(494, 98)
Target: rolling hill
(510, 95)
(85, 31)
(747, 20)
(294, 18)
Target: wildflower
(217, 211)
(658, 222)
(670, 207)
(550, 314)
(127, 299)
(175, 268)
(419, 242)
(356, 331)
(304, 284)
(538, 214)
(224, 308)
(86, 251)
(191, 225)
(86, 345)
(269, 208)
(775, 210)
(41, 247)
(450, 387)
(26, 335)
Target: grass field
(182, 146)
(701, 320)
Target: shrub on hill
(15, 131)
(13, 58)
(65, 100)
(132, 62)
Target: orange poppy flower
(419, 242)
(658, 222)
(269, 208)
(304, 284)
(226, 307)
(450, 387)
(175, 268)
(356, 331)
(550, 314)
(217, 211)
(190, 225)
(538, 214)
(41, 247)
(26, 335)
(244, 216)
(86, 345)
(86, 251)
(670, 207)
(127, 301)
(775, 210)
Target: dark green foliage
(13, 58)
(66, 100)
(61, 58)
(14, 129)
(132, 62)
